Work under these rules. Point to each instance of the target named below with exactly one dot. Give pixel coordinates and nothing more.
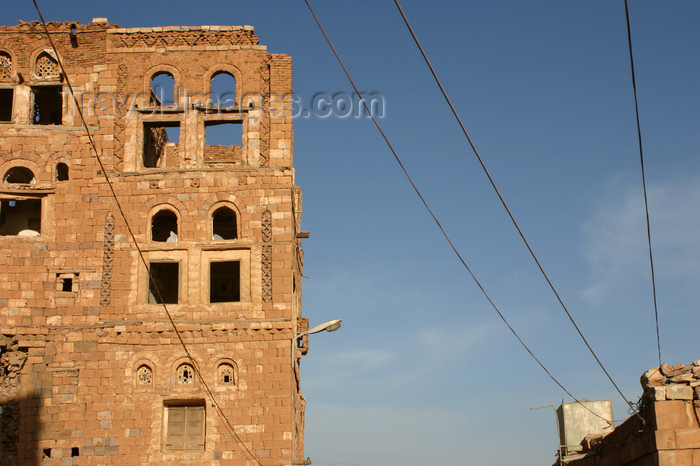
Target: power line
(195, 366)
(644, 181)
(503, 202)
(434, 217)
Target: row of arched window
(164, 225)
(23, 175)
(222, 89)
(45, 66)
(185, 374)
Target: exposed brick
(102, 361)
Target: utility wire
(138, 249)
(644, 181)
(434, 217)
(503, 202)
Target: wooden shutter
(185, 428)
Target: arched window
(163, 89)
(61, 172)
(164, 227)
(5, 65)
(185, 374)
(144, 375)
(225, 374)
(223, 90)
(46, 66)
(223, 222)
(19, 175)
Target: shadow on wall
(20, 431)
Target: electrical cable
(434, 217)
(644, 180)
(91, 140)
(505, 205)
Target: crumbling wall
(665, 431)
(12, 359)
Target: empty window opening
(225, 372)
(163, 89)
(223, 140)
(160, 144)
(223, 90)
(61, 172)
(20, 217)
(47, 105)
(224, 282)
(6, 99)
(164, 227)
(223, 223)
(184, 427)
(74, 451)
(5, 65)
(164, 282)
(144, 375)
(46, 453)
(21, 175)
(67, 284)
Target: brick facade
(91, 369)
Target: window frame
(187, 408)
(179, 256)
(244, 283)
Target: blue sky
(423, 371)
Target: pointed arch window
(144, 375)
(5, 66)
(225, 374)
(223, 90)
(164, 227)
(46, 66)
(185, 374)
(163, 89)
(223, 222)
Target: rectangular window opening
(184, 427)
(67, 284)
(46, 453)
(48, 105)
(224, 282)
(74, 451)
(164, 283)
(223, 140)
(6, 99)
(20, 217)
(160, 144)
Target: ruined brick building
(91, 368)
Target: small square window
(184, 427)
(224, 282)
(164, 282)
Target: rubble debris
(666, 382)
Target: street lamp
(330, 326)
